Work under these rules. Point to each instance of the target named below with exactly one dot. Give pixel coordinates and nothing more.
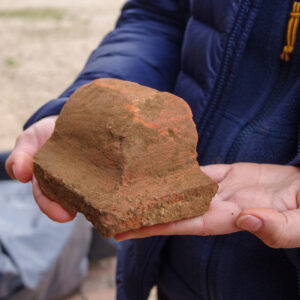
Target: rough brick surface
(124, 155)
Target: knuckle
(273, 242)
(277, 239)
(18, 140)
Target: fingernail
(249, 223)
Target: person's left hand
(19, 166)
(260, 198)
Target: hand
(263, 199)
(19, 165)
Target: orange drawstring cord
(291, 32)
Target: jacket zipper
(251, 127)
(220, 86)
(224, 73)
(263, 112)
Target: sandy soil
(44, 44)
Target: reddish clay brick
(124, 155)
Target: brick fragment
(125, 156)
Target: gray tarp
(39, 259)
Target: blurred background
(43, 46)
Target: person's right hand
(19, 165)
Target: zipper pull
(291, 32)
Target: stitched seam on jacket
(222, 66)
(190, 77)
(248, 19)
(114, 54)
(207, 26)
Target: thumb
(275, 229)
(19, 164)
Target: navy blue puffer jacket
(223, 58)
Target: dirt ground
(44, 44)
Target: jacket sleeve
(144, 48)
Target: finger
(19, 164)
(172, 228)
(220, 219)
(275, 229)
(216, 172)
(50, 208)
